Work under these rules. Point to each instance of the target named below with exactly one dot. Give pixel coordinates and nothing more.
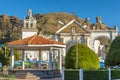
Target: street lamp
(74, 33)
(76, 52)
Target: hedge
(72, 74)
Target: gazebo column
(64, 51)
(39, 64)
(12, 59)
(60, 57)
(63, 54)
(50, 59)
(23, 65)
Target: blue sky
(109, 10)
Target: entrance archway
(101, 45)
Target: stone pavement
(43, 79)
(52, 79)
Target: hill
(50, 23)
(10, 26)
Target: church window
(26, 25)
(31, 25)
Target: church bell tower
(29, 25)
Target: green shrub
(113, 55)
(87, 59)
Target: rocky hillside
(49, 23)
(10, 26)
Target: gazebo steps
(26, 76)
(37, 73)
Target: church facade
(96, 36)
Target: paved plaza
(44, 79)
(52, 79)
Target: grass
(10, 77)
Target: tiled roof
(34, 40)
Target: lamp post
(76, 52)
(74, 34)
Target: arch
(71, 42)
(103, 39)
(100, 45)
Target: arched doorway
(72, 42)
(101, 45)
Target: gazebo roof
(35, 41)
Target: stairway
(36, 74)
(27, 76)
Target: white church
(38, 47)
(96, 36)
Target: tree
(17, 55)
(107, 47)
(3, 60)
(113, 55)
(87, 59)
(5, 55)
(10, 28)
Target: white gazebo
(40, 48)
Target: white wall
(28, 34)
